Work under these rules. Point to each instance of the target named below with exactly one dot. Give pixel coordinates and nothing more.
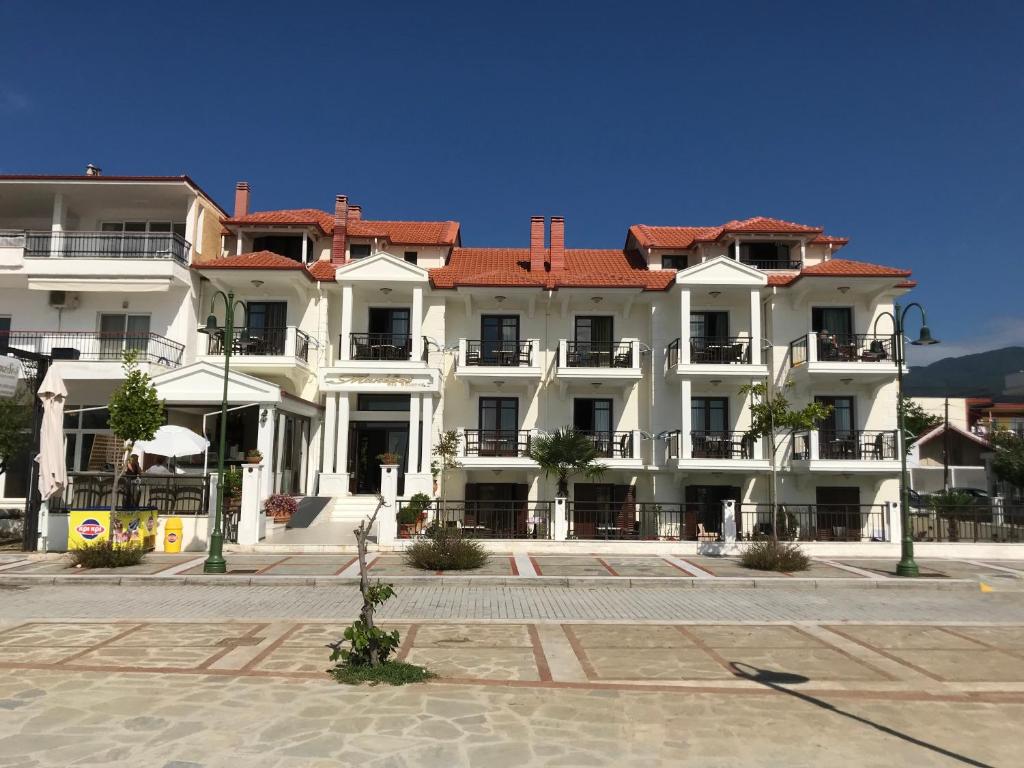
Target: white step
(352, 507)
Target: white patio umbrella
(53, 475)
(172, 441)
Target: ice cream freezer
(135, 527)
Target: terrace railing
(813, 522)
(842, 348)
(500, 353)
(598, 354)
(630, 520)
(169, 494)
(492, 519)
(108, 245)
(380, 346)
(265, 342)
(859, 445)
(722, 445)
(497, 442)
(970, 523)
(611, 445)
(716, 350)
(95, 346)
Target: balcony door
(834, 321)
(499, 426)
(709, 325)
(120, 332)
(836, 436)
(499, 339)
(266, 322)
(593, 341)
(709, 414)
(594, 416)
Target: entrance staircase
(330, 532)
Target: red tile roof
(323, 271)
(290, 216)
(846, 267)
(408, 232)
(257, 260)
(686, 237)
(585, 268)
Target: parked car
(918, 501)
(979, 497)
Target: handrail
(598, 354)
(500, 353)
(100, 245)
(498, 442)
(95, 345)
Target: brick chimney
(93, 170)
(537, 244)
(355, 213)
(241, 199)
(340, 229)
(557, 244)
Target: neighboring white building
(366, 337)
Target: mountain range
(979, 375)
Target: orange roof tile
(290, 216)
(848, 268)
(686, 237)
(323, 271)
(408, 232)
(768, 225)
(256, 260)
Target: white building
(367, 337)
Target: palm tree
(564, 453)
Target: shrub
(281, 506)
(232, 483)
(106, 554)
(774, 555)
(391, 672)
(445, 549)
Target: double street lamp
(215, 562)
(907, 566)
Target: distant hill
(983, 374)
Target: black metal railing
(968, 523)
(598, 354)
(108, 245)
(722, 445)
(303, 341)
(859, 444)
(169, 494)
(491, 519)
(855, 348)
(629, 520)
(719, 350)
(672, 353)
(258, 342)
(95, 346)
(772, 263)
(380, 346)
(672, 445)
(610, 445)
(813, 522)
(497, 442)
(798, 351)
(501, 353)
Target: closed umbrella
(172, 441)
(53, 475)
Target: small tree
(916, 420)
(446, 458)
(772, 417)
(565, 453)
(136, 413)
(1008, 456)
(15, 425)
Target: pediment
(381, 267)
(722, 270)
(203, 382)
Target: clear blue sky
(900, 125)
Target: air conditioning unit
(63, 300)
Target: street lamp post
(907, 566)
(215, 562)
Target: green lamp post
(907, 566)
(215, 562)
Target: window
(709, 325)
(499, 414)
(288, 246)
(837, 321)
(411, 256)
(768, 255)
(592, 414)
(499, 337)
(673, 262)
(840, 421)
(709, 414)
(595, 330)
(266, 322)
(81, 431)
(378, 402)
(358, 250)
(119, 332)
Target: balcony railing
(380, 346)
(492, 519)
(497, 442)
(772, 263)
(170, 494)
(500, 353)
(855, 445)
(813, 522)
(610, 445)
(972, 522)
(719, 350)
(95, 346)
(630, 520)
(264, 342)
(842, 348)
(598, 354)
(722, 445)
(108, 245)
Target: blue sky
(896, 124)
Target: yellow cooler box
(130, 526)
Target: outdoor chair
(473, 356)
(704, 534)
(622, 360)
(873, 448)
(524, 354)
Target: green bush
(390, 672)
(232, 482)
(445, 549)
(774, 555)
(106, 554)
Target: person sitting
(159, 466)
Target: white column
(266, 443)
(684, 327)
(252, 504)
(238, 244)
(427, 449)
(561, 521)
(304, 432)
(345, 353)
(316, 431)
(330, 429)
(729, 521)
(387, 518)
(413, 464)
(277, 468)
(686, 448)
(895, 521)
(341, 437)
(305, 249)
(755, 327)
(417, 323)
(812, 347)
(57, 225)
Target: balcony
(718, 450)
(714, 356)
(496, 448)
(392, 347)
(616, 450)
(604, 361)
(107, 245)
(493, 360)
(772, 264)
(858, 450)
(288, 342)
(863, 356)
(93, 346)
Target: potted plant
(418, 503)
(252, 456)
(281, 507)
(407, 518)
(389, 458)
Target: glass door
(594, 340)
(836, 436)
(499, 340)
(499, 426)
(266, 322)
(120, 332)
(594, 417)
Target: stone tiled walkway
(173, 694)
